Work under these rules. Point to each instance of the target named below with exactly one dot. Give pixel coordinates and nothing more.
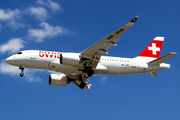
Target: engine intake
(58, 79)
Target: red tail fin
(153, 49)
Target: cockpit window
(19, 53)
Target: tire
(90, 73)
(82, 85)
(21, 74)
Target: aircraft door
(133, 64)
(32, 55)
(15, 59)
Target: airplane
(78, 67)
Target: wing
(79, 80)
(92, 55)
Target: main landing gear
(88, 70)
(82, 85)
(22, 69)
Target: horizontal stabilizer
(162, 59)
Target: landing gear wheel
(22, 69)
(90, 73)
(21, 74)
(82, 85)
(88, 70)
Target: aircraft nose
(10, 60)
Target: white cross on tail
(154, 48)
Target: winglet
(131, 23)
(134, 19)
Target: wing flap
(80, 82)
(110, 44)
(82, 85)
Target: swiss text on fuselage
(49, 54)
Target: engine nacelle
(58, 79)
(70, 59)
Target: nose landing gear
(22, 69)
(21, 74)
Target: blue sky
(72, 26)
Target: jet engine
(70, 59)
(58, 80)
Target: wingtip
(134, 19)
(136, 16)
(173, 53)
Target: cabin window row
(116, 60)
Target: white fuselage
(107, 65)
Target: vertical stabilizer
(153, 50)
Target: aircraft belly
(36, 64)
(67, 69)
(120, 68)
(100, 69)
